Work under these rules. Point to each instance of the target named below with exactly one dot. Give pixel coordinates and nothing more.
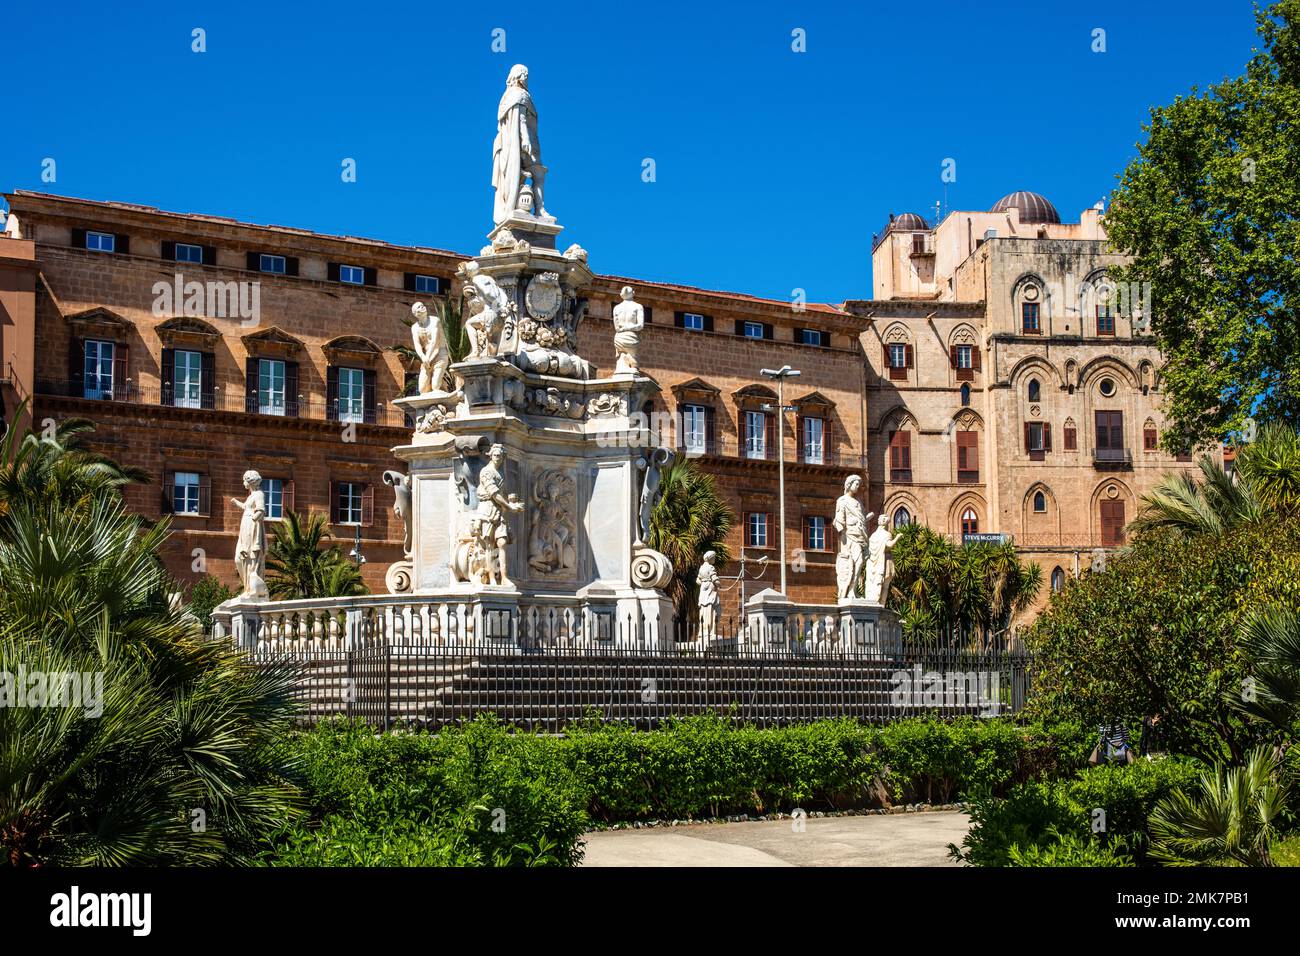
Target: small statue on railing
(250, 547)
(851, 526)
(629, 321)
(880, 567)
(709, 601)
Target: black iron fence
(547, 688)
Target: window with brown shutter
(168, 370)
(1110, 435)
(900, 455)
(968, 463)
(332, 393)
(207, 380)
(1150, 439)
(1112, 522)
(898, 358)
(121, 365)
(291, 389)
(1036, 440)
(1071, 437)
(370, 410)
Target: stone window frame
(898, 334)
(1022, 296)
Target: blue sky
(773, 168)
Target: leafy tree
(1158, 631)
(689, 519)
(1207, 210)
(300, 563)
(1234, 816)
(940, 589)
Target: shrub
(1044, 814)
(206, 593)
(466, 796)
(1071, 850)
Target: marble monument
(532, 483)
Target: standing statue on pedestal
(430, 348)
(710, 601)
(851, 526)
(492, 533)
(250, 547)
(493, 305)
(880, 567)
(629, 320)
(517, 153)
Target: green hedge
(1055, 822)
(707, 766)
(472, 796)
(486, 795)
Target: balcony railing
(731, 448)
(234, 399)
(1112, 457)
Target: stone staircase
(550, 692)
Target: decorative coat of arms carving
(543, 297)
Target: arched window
(1035, 390)
(1040, 502)
(970, 522)
(965, 396)
(902, 518)
(1058, 580)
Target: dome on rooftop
(1034, 207)
(909, 220)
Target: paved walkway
(898, 839)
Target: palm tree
(1266, 485)
(56, 466)
(1270, 643)
(171, 753)
(300, 564)
(689, 519)
(1234, 816)
(1271, 465)
(974, 590)
(1212, 505)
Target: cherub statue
(483, 325)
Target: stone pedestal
(575, 455)
(767, 615)
(867, 627)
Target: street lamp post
(356, 554)
(781, 374)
